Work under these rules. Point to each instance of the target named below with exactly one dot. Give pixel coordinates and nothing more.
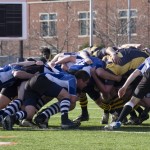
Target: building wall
(68, 38)
(67, 24)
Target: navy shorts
(38, 86)
(11, 91)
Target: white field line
(127, 132)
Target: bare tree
(55, 42)
(111, 31)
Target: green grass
(90, 135)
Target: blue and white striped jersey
(64, 80)
(145, 65)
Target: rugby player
(62, 86)
(141, 90)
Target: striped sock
(21, 115)
(64, 108)
(39, 104)
(52, 110)
(13, 107)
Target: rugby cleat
(114, 118)
(41, 121)
(70, 124)
(105, 118)
(81, 118)
(125, 121)
(26, 123)
(133, 121)
(8, 122)
(112, 126)
(143, 117)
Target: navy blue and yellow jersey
(130, 59)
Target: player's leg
(141, 90)
(84, 109)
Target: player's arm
(56, 57)
(101, 86)
(130, 79)
(27, 63)
(63, 60)
(24, 63)
(85, 55)
(66, 59)
(22, 74)
(110, 51)
(106, 75)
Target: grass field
(90, 135)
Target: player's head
(46, 52)
(82, 79)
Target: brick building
(64, 24)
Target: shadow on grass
(127, 128)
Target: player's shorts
(11, 91)
(38, 86)
(144, 86)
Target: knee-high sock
(64, 108)
(125, 111)
(83, 103)
(20, 115)
(13, 107)
(51, 110)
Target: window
(48, 25)
(84, 20)
(123, 21)
(12, 24)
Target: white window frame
(48, 21)
(125, 17)
(87, 19)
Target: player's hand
(52, 64)
(121, 92)
(39, 63)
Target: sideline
(7, 143)
(5, 137)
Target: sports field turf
(90, 135)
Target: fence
(4, 60)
